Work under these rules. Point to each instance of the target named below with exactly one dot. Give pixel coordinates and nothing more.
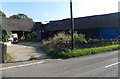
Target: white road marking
(112, 65)
(22, 65)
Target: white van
(14, 38)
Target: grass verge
(9, 57)
(81, 52)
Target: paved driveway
(24, 51)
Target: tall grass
(9, 57)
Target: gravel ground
(24, 51)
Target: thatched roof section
(98, 21)
(15, 24)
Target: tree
(21, 16)
(2, 14)
(6, 34)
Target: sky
(48, 10)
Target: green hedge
(81, 52)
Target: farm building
(21, 27)
(98, 26)
(38, 29)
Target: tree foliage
(6, 34)
(2, 14)
(21, 16)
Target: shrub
(59, 46)
(6, 34)
(79, 38)
(61, 37)
(62, 41)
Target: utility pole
(72, 25)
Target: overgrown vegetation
(9, 57)
(81, 52)
(6, 34)
(60, 46)
(62, 41)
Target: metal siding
(109, 33)
(90, 33)
(38, 35)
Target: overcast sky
(46, 10)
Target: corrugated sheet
(98, 21)
(109, 33)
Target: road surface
(100, 65)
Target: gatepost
(4, 51)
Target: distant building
(21, 27)
(38, 29)
(98, 26)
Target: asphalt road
(88, 66)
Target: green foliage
(2, 14)
(62, 41)
(79, 38)
(60, 45)
(82, 52)
(21, 16)
(61, 37)
(9, 57)
(6, 34)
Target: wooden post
(4, 52)
(72, 25)
(0, 52)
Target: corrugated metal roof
(97, 21)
